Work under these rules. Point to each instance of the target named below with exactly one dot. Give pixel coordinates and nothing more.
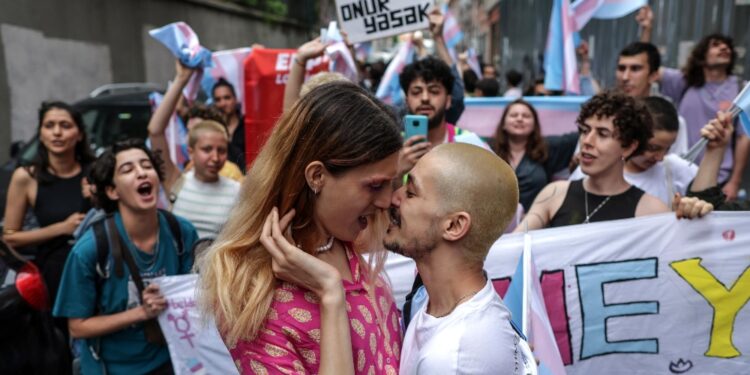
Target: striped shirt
(206, 204)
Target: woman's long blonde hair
(340, 125)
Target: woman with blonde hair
(328, 165)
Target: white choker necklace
(325, 247)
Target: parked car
(110, 113)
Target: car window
(111, 124)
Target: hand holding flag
(182, 41)
(740, 108)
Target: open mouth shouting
(146, 190)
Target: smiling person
(201, 194)
(106, 310)
(51, 187)
(329, 164)
(462, 327)
(656, 171)
(535, 159)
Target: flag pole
(526, 256)
(734, 111)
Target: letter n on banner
(595, 310)
(726, 303)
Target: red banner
(266, 73)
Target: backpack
(104, 245)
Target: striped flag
(389, 90)
(560, 66)
(584, 10)
(176, 134)
(341, 61)
(473, 61)
(227, 64)
(182, 41)
(451, 32)
(525, 301)
(362, 50)
(742, 102)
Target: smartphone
(415, 125)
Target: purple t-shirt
(698, 105)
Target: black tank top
(573, 209)
(56, 199)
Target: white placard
(372, 19)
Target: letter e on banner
(595, 311)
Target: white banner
(194, 345)
(652, 295)
(372, 19)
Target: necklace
(322, 248)
(458, 303)
(586, 203)
(325, 247)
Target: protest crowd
(295, 279)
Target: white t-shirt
(476, 338)
(205, 204)
(654, 180)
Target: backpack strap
(151, 328)
(174, 229)
(407, 310)
(102, 251)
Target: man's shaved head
(476, 181)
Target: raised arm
(305, 52)
(719, 133)
(437, 19)
(741, 153)
(645, 18)
(160, 120)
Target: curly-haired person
(613, 128)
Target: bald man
(457, 200)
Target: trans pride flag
(227, 64)
(584, 10)
(176, 134)
(525, 301)
(560, 65)
(182, 41)
(473, 61)
(389, 90)
(451, 32)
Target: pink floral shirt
(289, 342)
